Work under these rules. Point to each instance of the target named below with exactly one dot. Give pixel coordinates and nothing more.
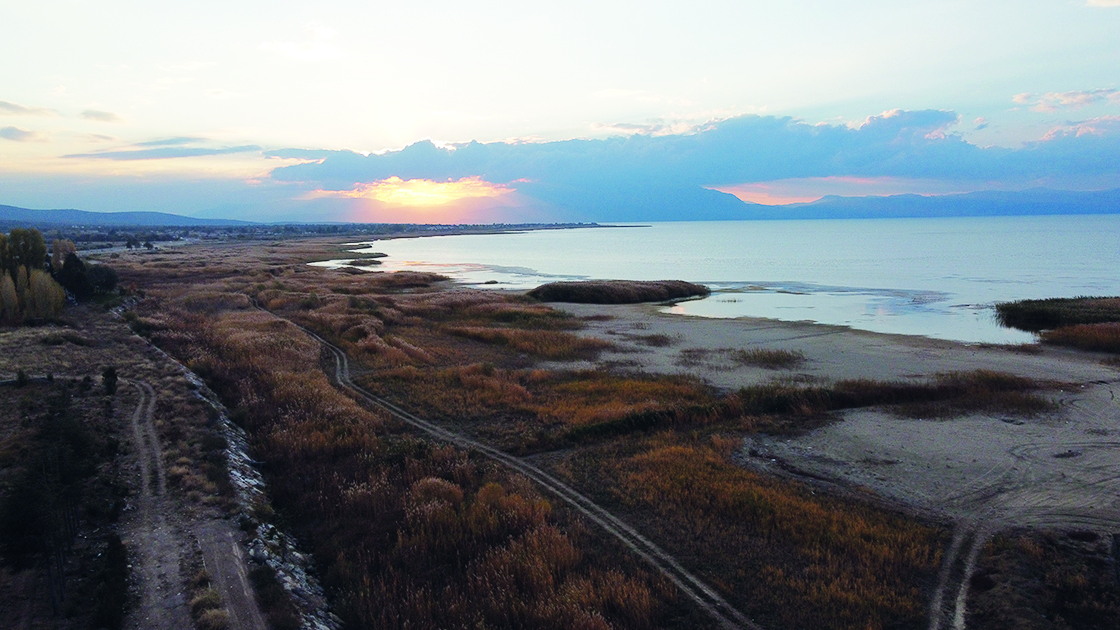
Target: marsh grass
(946, 395)
(1095, 337)
(546, 344)
(1047, 314)
(655, 341)
(617, 291)
(773, 359)
(768, 358)
(787, 556)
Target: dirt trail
(224, 558)
(154, 537)
(690, 585)
(161, 538)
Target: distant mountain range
(1036, 201)
(11, 215)
(692, 205)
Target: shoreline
(1047, 469)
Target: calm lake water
(932, 277)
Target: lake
(932, 277)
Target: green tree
(102, 278)
(75, 278)
(5, 255)
(27, 249)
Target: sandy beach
(1058, 469)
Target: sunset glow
(809, 189)
(417, 193)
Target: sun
(420, 193)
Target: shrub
(617, 291)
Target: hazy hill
(11, 215)
(1037, 201)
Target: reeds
(947, 394)
(617, 291)
(800, 560)
(1039, 315)
(1096, 337)
(546, 344)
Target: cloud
(981, 123)
(1100, 126)
(420, 192)
(171, 142)
(658, 128)
(1076, 99)
(1102, 3)
(644, 177)
(13, 109)
(100, 116)
(15, 134)
(163, 153)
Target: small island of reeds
(1088, 323)
(617, 291)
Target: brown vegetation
(408, 532)
(1098, 337)
(617, 291)
(1047, 314)
(1045, 581)
(787, 556)
(1086, 323)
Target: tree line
(34, 284)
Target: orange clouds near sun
(420, 193)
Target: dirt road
(154, 535)
(161, 536)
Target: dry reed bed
(783, 554)
(1050, 313)
(617, 291)
(1086, 323)
(409, 534)
(1045, 580)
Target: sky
(433, 111)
